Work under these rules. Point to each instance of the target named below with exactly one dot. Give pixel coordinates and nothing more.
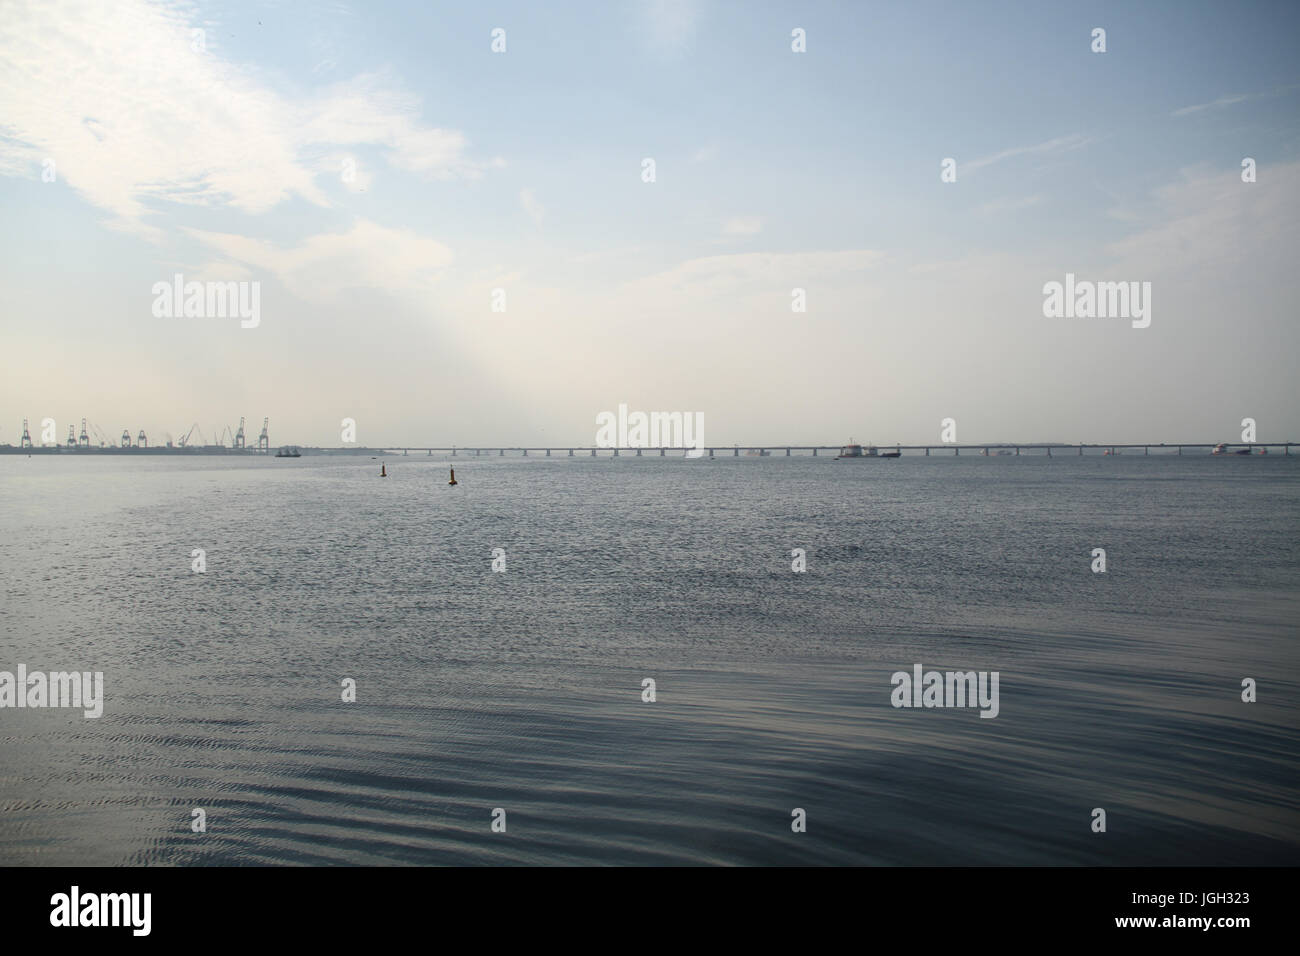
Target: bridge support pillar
(927, 452)
(787, 453)
(814, 452)
(1017, 451)
(1146, 450)
(638, 452)
(593, 453)
(501, 453)
(1049, 453)
(570, 452)
(661, 452)
(548, 453)
(1080, 451)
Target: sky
(458, 245)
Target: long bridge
(737, 451)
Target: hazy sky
(379, 171)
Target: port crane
(239, 435)
(264, 439)
(185, 439)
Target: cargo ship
(854, 450)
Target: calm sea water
(522, 690)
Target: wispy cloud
(667, 27)
(1226, 100)
(743, 226)
(1059, 145)
(705, 153)
(1009, 204)
(531, 206)
(1209, 219)
(728, 274)
(318, 269)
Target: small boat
(288, 451)
(383, 470)
(1242, 451)
(453, 477)
(891, 454)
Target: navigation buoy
(383, 471)
(453, 477)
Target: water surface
(522, 689)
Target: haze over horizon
(380, 173)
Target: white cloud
(134, 116)
(368, 256)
